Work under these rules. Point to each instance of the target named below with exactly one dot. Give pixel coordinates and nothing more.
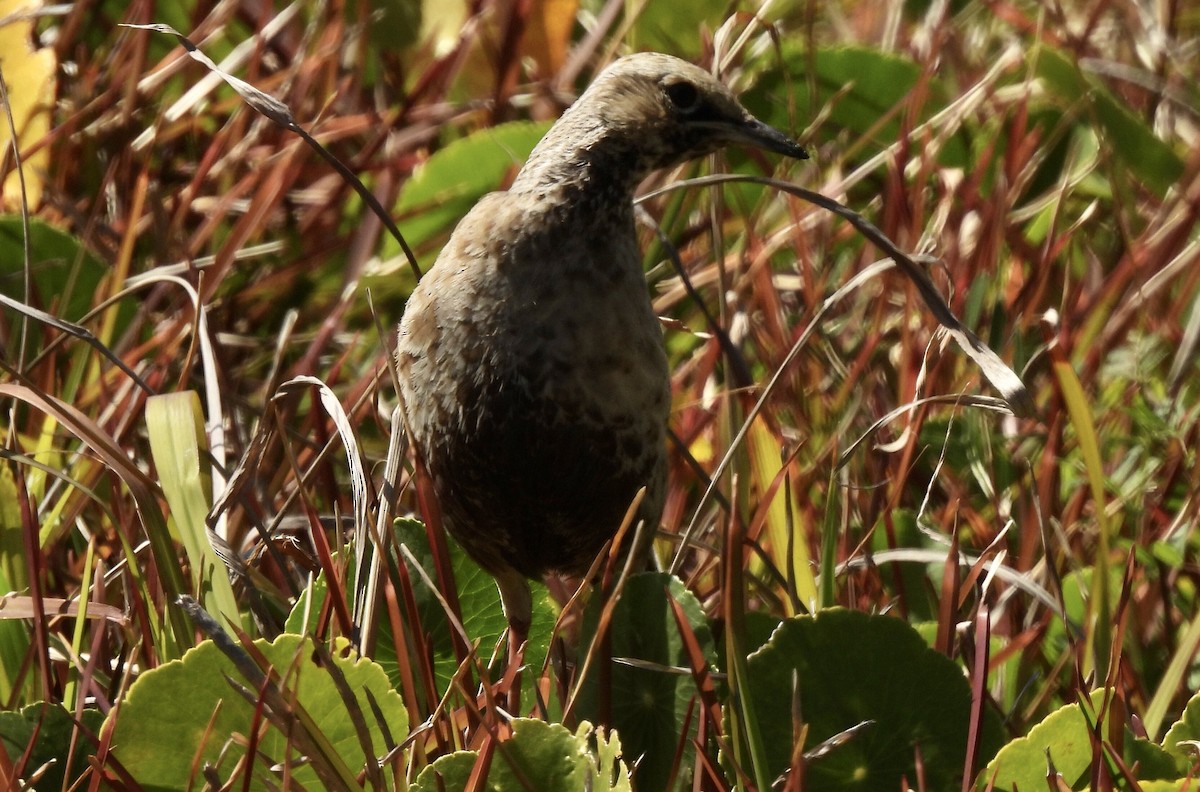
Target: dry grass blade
(599, 652)
(367, 599)
(841, 738)
(281, 114)
(983, 632)
(1022, 581)
(358, 478)
(983, 402)
(1003, 378)
(76, 331)
(698, 667)
(760, 403)
(15, 606)
(141, 488)
(355, 713)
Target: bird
(532, 372)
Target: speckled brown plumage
(531, 364)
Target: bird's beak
(753, 132)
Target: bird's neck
(583, 164)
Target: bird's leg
(518, 610)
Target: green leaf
(1187, 728)
(649, 705)
(657, 25)
(1129, 138)
(54, 727)
(66, 275)
(14, 576)
(851, 668)
(1153, 763)
(920, 602)
(172, 632)
(164, 723)
(445, 187)
(392, 25)
(863, 90)
(175, 426)
(758, 628)
(539, 755)
(1078, 603)
(1099, 630)
(14, 567)
(1172, 680)
(479, 601)
(1066, 737)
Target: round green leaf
(649, 703)
(1186, 729)
(851, 668)
(539, 755)
(54, 727)
(1065, 736)
(479, 601)
(161, 726)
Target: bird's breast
(555, 308)
(536, 385)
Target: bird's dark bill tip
(769, 138)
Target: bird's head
(672, 111)
(644, 112)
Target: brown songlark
(531, 365)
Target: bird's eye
(683, 96)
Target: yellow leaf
(442, 23)
(545, 38)
(549, 34)
(768, 468)
(29, 77)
